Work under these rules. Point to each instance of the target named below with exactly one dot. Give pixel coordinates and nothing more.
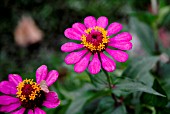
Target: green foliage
(104, 104)
(139, 69)
(153, 100)
(139, 86)
(128, 85)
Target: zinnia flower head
(21, 95)
(94, 42)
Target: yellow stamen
(88, 30)
(22, 97)
(34, 93)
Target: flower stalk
(117, 102)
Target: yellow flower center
(30, 94)
(28, 90)
(95, 39)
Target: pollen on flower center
(95, 39)
(30, 94)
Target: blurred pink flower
(19, 95)
(164, 36)
(94, 40)
(27, 32)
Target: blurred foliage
(145, 76)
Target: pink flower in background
(20, 95)
(27, 32)
(164, 36)
(95, 43)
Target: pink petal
(9, 108)
(90, 21)
(7, 88)
(20, 111)
(95, 65)
(118, 55)
(82, 64)
(6, 100)
(121, 45)
(74, 57)
(41, 73)
(15, 79)
(30, 111)
(52, 100)
(124, 36)
(39, 111)
(52, 77)
(114, 28)
(70, 46)
(107, 63)
(102, 22)
(51, 96)
(80, 27)
(72, 34)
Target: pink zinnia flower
(94, 41)
(19, 95)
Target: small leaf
(153, 100)
(129, 85)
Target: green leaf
(165, 78)
(82, 97)
(139, 66)
(144, 16)
(99, 80)
(163, 14)
(129, 86)
(120, 110)
(76, 105)
(104, 106)
(139, 69)
(144, 33)
(154, 100)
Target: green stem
(108, 78)
(151, 108)
(117, 103)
